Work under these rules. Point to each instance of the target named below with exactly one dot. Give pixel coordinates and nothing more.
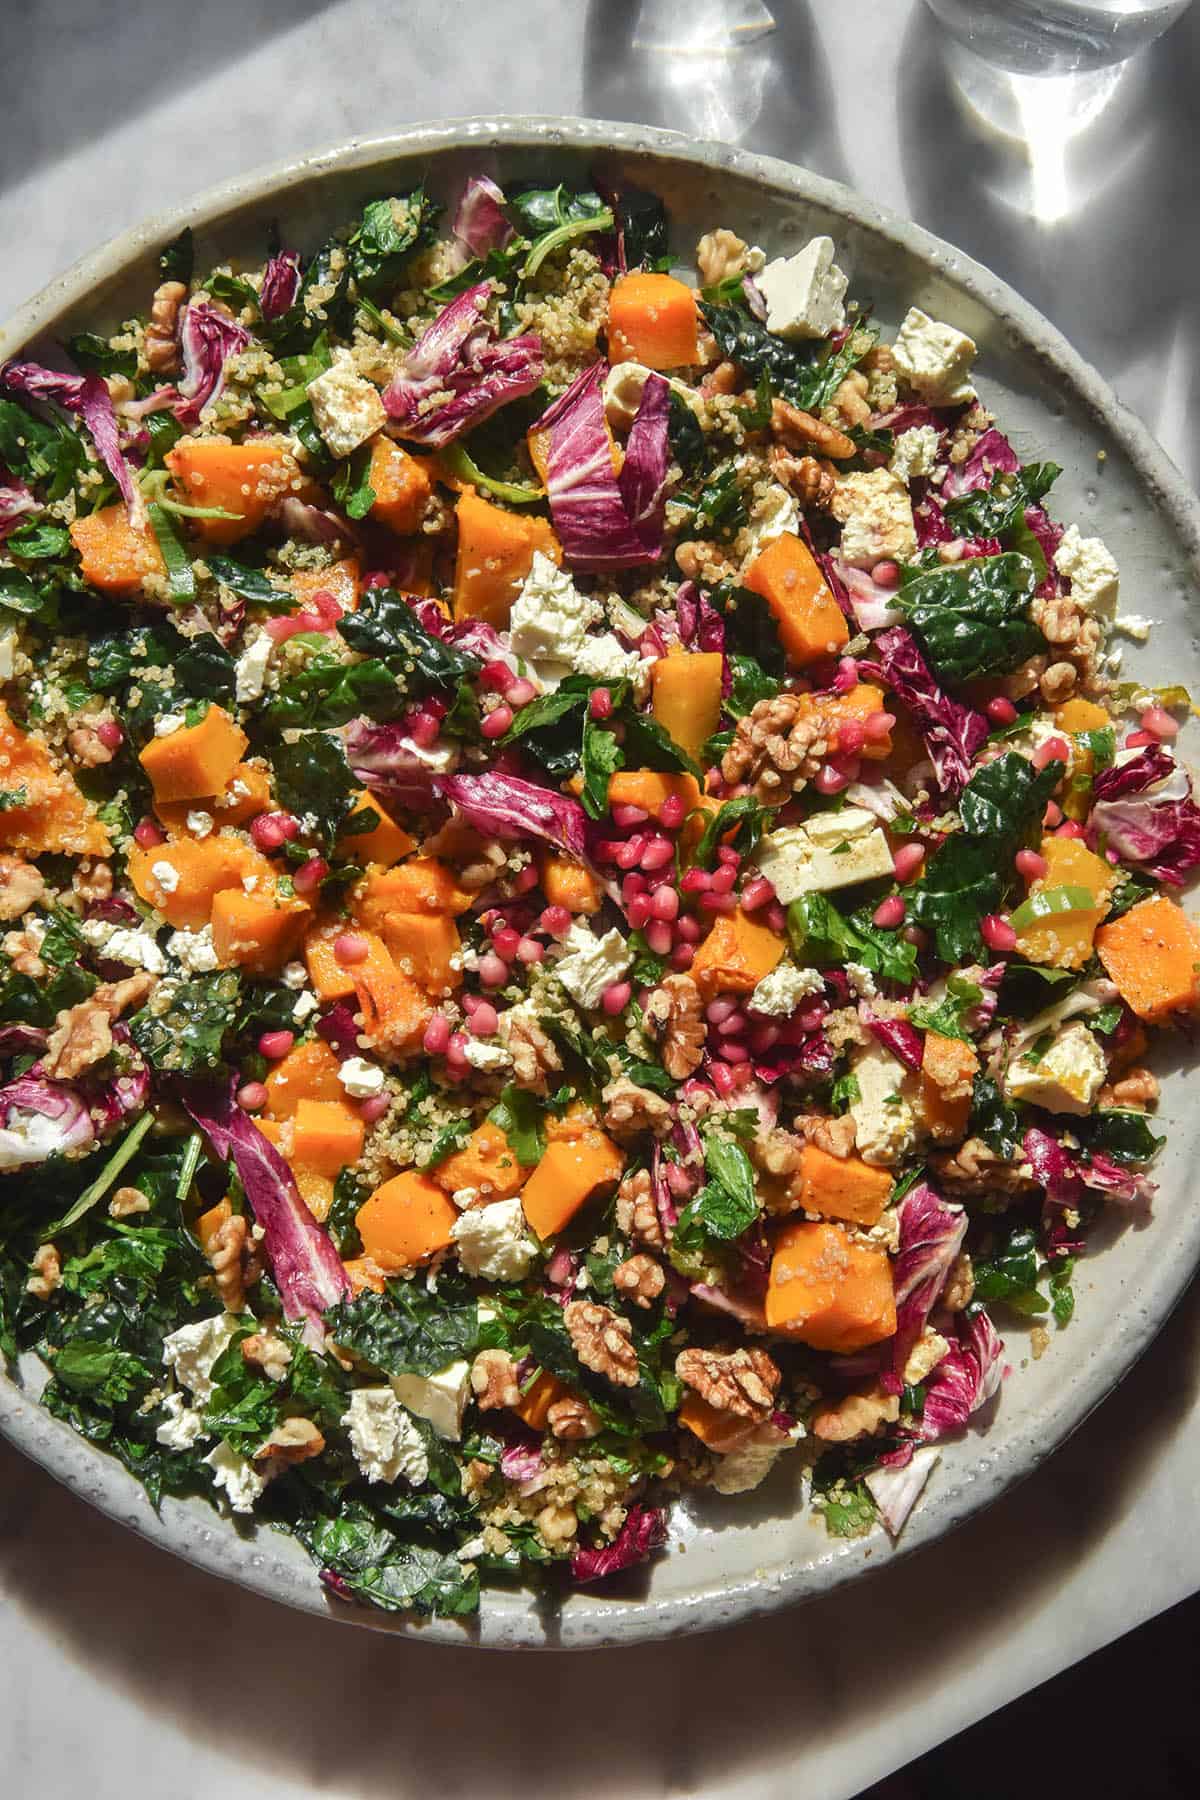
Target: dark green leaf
(188, 1037)
(686, 434)
(1124, 1135)
(750, 631)
(746, 813)
(181, 577)
(995, 510)
(993, 1119)
(1011, 1275)
(642, 222)
(808, 374)
(313, 780)
(1062, 1294)
(602, 757)
(36, 543)
(406, 1330)
(375, 1566)
(825, 938)
(384, 625)
(177, 259)
(251, 584)
(519, 1115)
(972, 617)
(946, 1018)
(352, 484)
(95, 355)
(385, 237)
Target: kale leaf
(313, 780)
(807, 374)
(385, 237)
(827, 939)
(362, 1560)
(406, 1330)
(189, 1037)
(972, 617)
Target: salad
(582, 901)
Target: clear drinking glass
(1056, 37)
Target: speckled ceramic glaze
(728, 1559)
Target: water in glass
(1056, 37)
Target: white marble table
(126, 1672)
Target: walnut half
(603, 1342)
(743, 1382)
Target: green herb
(717, 508)
(1012, 1274)
(124, 1153)
(946, 1018)
(250, 584)
(368, 1562)
(602, 757)
(38, 543)
(1062, 1294)
(746, 813)
(552, 217)
(844, 1093)
(806, 374)
(188, 1038)
(384, 625)
(455, 458)
(351, 485)
(518, 1113)
(689, 446)
(177, 259)
(384, 239)
(749, 684)
(843, 1502)
(1048, 902)
(993, 1119)
(181, 578)
(647, 968)
(972, 617)
(995, 510)
(826, 939)
(406, 1330)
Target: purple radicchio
(931, 1236)
(965, 1379)
(992, 452)
(208, 339)
(280, 282)
(480, 224)
(896, 1489)
(606, 521)
(521, 1463)
(953, 733)
(897, 1035)
(389, 762)
(701, 626)
(16, 500)
(339, 1030)
(126, 1093)
(644, 1532)
(1146, 812)
(458, 374)
(506, 807)
(874, 607)
(1057, 1174)
(41, 1118)
(304, 1264)
(88, 397)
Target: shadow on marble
(1095, 232)
(164, 1634)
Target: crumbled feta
(1066, 1079)
(183, 1425)
(306, 1005)
(191, 1351)
(602, 659)
(169, 724)
(8, 645)
(935, 359)
(590, 963)
(876, 517)
(1134, 625)
(440, 757)
(486, 1057)
(775, 513)
(885, 1126)
(550, 618)
(914, 453)
(166, 875)
(830, 850)
(194, 950)
(294, 975)
(440, 1398)
(360, 1078)
(804, 293)
(464, 1197)
(861, 980)
(250, 670)
(385, 1442)
(493, 1243)
(137, 949)
(200, 824)
(239, 1478)
(347, 408)
(1092, 571)
(96, 932)
(623, 393)
(30, 1137)
(780, 993)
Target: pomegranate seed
(696, 881)
(530, 951)
(556, 921)
(877, 725)
(722, 1078)
(672, 812)
(375, 1108)
(266, 832)
(776, 917)
(493, 970)
(811, 1020)
(1031, 865)
(657, 854)
(717, 903)
(1054, 749)
(470, 1002)
(252, 1096)
(485, 1020)
(626, 817)
(847, 675)
(437, 1035)
(829, 780)
(851, 736)
(665, 903)
(714, 782)
(659, 937)
(1000, 710)
(1069, 829)
(756, 893)
(682, 957)
(1137, 740)
(907, 860)
(634, 883)
(497, 722)
(1052, 815)
(520, 692)
(889, 913)
(913, 934)
(274, 1044)
(600, 705)
(1159, 723)
(687, 929)
(727, 854)
(524, 879)
(639, 911)
(616, 997)
(998, 934)
(886, 574)
(763, 1036)
(505, 941)
(148, 835)
(734, 1025)
(735, 1053)
(496, 675)
(110, 734)
(630, 852)
(743, 1075)
(348, 947)
(456, 1051)
(310, 875)
(717, 1011)
(723, 880)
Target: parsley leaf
(822, 936)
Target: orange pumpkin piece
(244, 480)
(651, 791)
(486, 1162)
(308, 1072)
(209, 1223)
(394, 1010)
(341, 579)
(114, 555)
(948, 1070)
(327, 1136)
(1064, 940)
(182, 878)
(568, 883)
(259, 931)
(246, 793)
(427, 947)
(364, 1275)
(735, 955)
(1152, 952)
(829, 1291)
(420, 885)
(405, 1221)
(860, 703)
(401, 484)
(53, 814)
(685, 692)
(533, 1408)
(718, 1431)
(842, 1187)
(197, 761)
(570, 1172)
(811, 623)
(1081, 715)
(331, 979)
(495, 554)
(385, 843)
(652, 319)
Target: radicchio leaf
(505, 806)
(1056, 1173)
(457, 374)
(208, 339)
(990, 452)
(1145, 810)
(281, 279)
(701, 626)
(965, 1379)
(953, 733)
(897, 1035)
(897, 1486)
(16, 500)
(931, 1236)
(644, 1531)
(340, 1030)
(604, 522)
(386, 760)
(87, 396)
(479, 221)
(1147, 769)
(42, 1118)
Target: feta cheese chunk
(239, 1478)
(347, 408)
(183, 1425)
(8, 649)
(306, 1005)
(885, 1125)
(774, 514)
(861, 980)
(250, 670)
(194, 950)
(623, 394)
(914, 453)
(831, 850)
(1092, 570)
(169, 724)
(488, 1058)
(804, 293)
(1134, 625)
(385, 1442)
(1066, 1079)
(550, 617)
(440, 1398)
(200, 824)
(876, 517)
(137, 949)
(191, 1351)
(493, 1243)
(602, 659)
(166, 875)
(361, 1079)
(590, 963)
(935, 359)
(784, 990)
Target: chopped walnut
(557, 1523)
(87, 747)
(120, 389)
(572, 1419)
(21, 949)
(850, 403)
(21, 886)
(977, 1169)
(1064, 625)
(1058, 682)
(292, 1441)
(1025, 677)
(736, 1381)
(800, 431)
(494, 1380)
(776, 1152)
(812, 482)
(673, 1017)
(637, 1214)
(639, 1279)
(629, 1109)
(925, 1355)
(476, 1477)
(960, 1284)
(1137, 1088)
(227, 1253)
(835, 1136)
(126, 1202)
(267, 1351)
(857, 1416)
(161, 341)
(92, 879)
(47, 1272)
(777, 748)
(724, 379)
(603, 1341)
(534, 1055)
(82, 1036)
(117, 997)
(720, 254)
